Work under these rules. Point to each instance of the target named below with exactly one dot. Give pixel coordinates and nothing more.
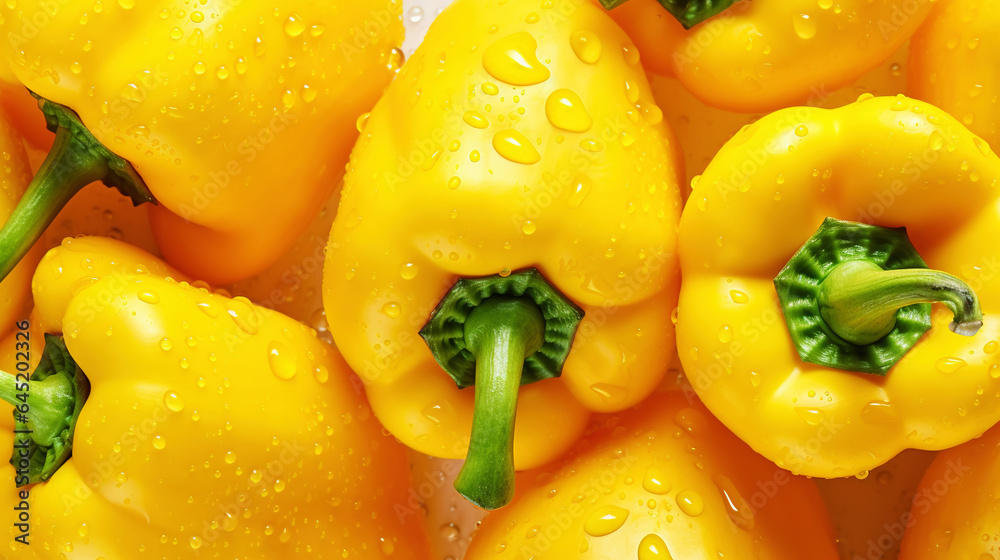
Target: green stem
(501, 332)
(76, 159)
(859, 300)
(50, 404)
(69, 167)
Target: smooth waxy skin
(954, 513)
(888, 161)
(239, 117)
(666, 469)
(599, 225)
(953, 60)
(761, 55)
(218, 427)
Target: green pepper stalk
(688, 12)
(75, 160)
(498, 333)
(857, 297)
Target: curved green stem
(66, 170)
(501, 332)
(859, 300)
(75, 160)
(46, 409)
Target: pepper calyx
(444, 332)
(858, 297)
(688, 12)
(46, 410)
(76, 159)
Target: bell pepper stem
(859, 300)
(45, 407)
(501, 332)
(69, 167)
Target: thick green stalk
(859, 300)
(501, 332)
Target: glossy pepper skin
(220, 429)
(762, 55)
(954, 513)
(889, 161)
(474, 164)
(237, 117)
(664, 480)
(953, 64)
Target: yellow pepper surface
(238, 118)
(213, 427)
(762, 55)
(953, 60)
(954, 513)
(665, 480)
(518, 136)
(892, 162)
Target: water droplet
(197, 16)
(475, 119)
(159, 442)
(991, 347)
(391, 310)
(690, 502)
(739, 511)
(450, 533)
(652, 547)
(409, 271)
(579, 191)
(529, 227)
(950, 365)
(386, 546)
(241, 311)
(200, 67)
(861, 475)
(454, 183)
(279, 486)
(879, 412)
(586, 45)
(605, 520)
(739, 297)
(415, 14)
(655, 481)
(592, 145)
(801, 131)
(151, 298)
(474, 156)
(565, 110)
(505, 272)
(166, 344)
(195, 542)
(725, 334)
(281, 360)
(308, 94)
(126, 4)
(610, 393)
(512, 145)
(811, 416)
(804, 26)
(294, 26)
(512, 60)
(489, 88)
(396, 59)
(173, 402)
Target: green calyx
(76, 159)
(688, 12)
(498, 333)
(857, 297)
(46, 409)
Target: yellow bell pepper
(235, 118)
(213, 427)
(662, 481)
(953, 64)
(954, 513)
(774, 326)
(762, 55)
(518, 161)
